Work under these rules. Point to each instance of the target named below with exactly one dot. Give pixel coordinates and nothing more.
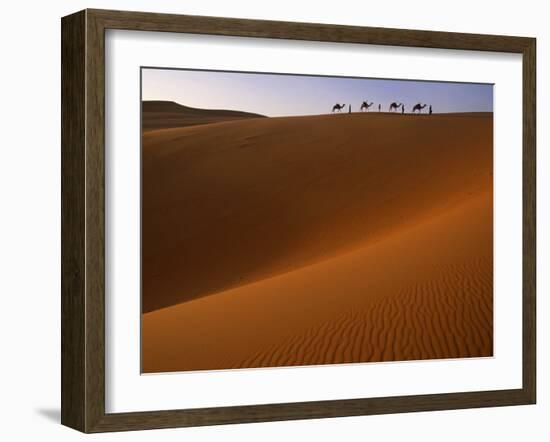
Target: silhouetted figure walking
(379, 107)
(349, 109)
(430, 111)
(402, 108)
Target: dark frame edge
(73, 130)
(529, 219)
(82, 220)
(83, 236)
(198, 24)
(164, 419)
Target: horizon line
(322, 113)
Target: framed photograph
(267, 221)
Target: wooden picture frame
(83, 220)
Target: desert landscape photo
(292, 220)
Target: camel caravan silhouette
(395, 106)
(366, 105)
(418, 107)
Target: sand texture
(315, 240)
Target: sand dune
(229, 204)
(423, 292)
(449, 316)
(315, 240)
(164, 114)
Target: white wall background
(30, 217)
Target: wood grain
(73, 366)
(83, 219)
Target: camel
(366, 105)
(394, 106)
(418, 107)
(338, 107)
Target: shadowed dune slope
(164, 114)
(423, 292)
(226, 205)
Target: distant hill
(166, 114)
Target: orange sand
(313, 240)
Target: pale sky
(286, 94)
